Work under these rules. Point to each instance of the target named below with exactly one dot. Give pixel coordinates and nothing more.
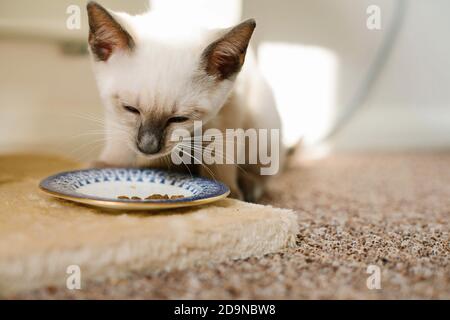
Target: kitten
(154, 78)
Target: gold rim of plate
(111, 204)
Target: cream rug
(41, 237)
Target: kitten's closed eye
(131, 109)
(177, 120)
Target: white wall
(409, 106)
(337, 28)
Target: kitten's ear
(224, 57)
(106, 35)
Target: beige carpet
(40, 237)
(388, 210)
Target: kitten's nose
(149, 143)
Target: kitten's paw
(236, 194)
(252, 188)
(253, 194)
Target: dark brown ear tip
(93, 5)
(251, 23)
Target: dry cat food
(152, 197)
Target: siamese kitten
(155, 77)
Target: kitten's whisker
(187, 167)
(200, 162)
(79, 153)
(87, 144)
(89, 118)
(166, 161)
(86, 134)
(203, 141)
(222, 155)
(92, 144)
(102, 122)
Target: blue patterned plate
(114, 188)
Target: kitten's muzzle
(148, 141)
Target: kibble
(157, 197)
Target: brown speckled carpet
(388, 210)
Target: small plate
(103, 187)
